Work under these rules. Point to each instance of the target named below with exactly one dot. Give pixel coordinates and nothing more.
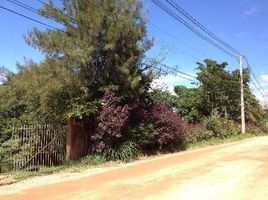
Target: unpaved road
(237, 171)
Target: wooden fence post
(76, 141)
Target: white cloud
(264, 77)
(251, 11)
(169, 81)
(263, 99)
(262, 96)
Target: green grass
(215, 141)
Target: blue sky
(242, 23)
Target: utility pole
(243, 124)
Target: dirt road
(236, 171)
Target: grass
(95, 160)
(215, 140)
(69, 167)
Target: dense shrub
(168, 125)
(157, 126)
(229, 128)
(197, 133)
(143, 134)
(213, 123)
(110, 123)
(221, 127)
(253, 129)
(212, 127)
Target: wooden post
(76, 141)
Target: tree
(220, 90)
(101, 47)
(188, 103)
(104, 43)
(163, 96)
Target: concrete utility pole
(243, 123)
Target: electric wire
(175, 50)
(196, 60)
(48, 5)
(235, 53)
(212, 35)
(176, 38)
(25, 6)
(191, 28)
(30, 18)
(32, 9)
(202, 27)
(258, 85)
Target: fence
(37, 145)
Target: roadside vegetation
(95, 71)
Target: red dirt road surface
(237, 171)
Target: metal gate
(38, 145)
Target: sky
(241, 23)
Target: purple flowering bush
(110, 123)
(157, 126)
(121, 131)
(168, 125)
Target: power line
(30, 8)
(30, 18)
(255, 78)
(202, 27)
(191, 76)
(176, 38)
(20, 4)
(48, 5)
(176, 50)
(176, 71)
(191, 28)
(195, 59)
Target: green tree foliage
(164, 96)
(101, 47)
(188, 103)
(220, 90)
(103, 43)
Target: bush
(111, 123)
(213, 123)
(158, 126)
(253, 129)
(143, 135)
(197, 133)
(126, 151)
(167, 124)
(229, 127)
(212, 127)
(93, 159)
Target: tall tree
(220, 90)
(100, 47)
(103, 42)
